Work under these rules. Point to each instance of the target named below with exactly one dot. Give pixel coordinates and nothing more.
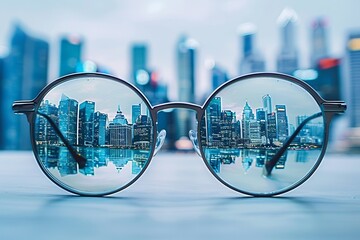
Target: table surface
(178, 198)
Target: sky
(109, 27)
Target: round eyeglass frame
(30, 108)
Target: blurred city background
(180, 51)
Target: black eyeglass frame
(30, 109)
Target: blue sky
(110, 26)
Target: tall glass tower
(287, 60)
(68, 118)
(135, 112)
(25, 72)
(319, 44)
(70, 54)
(353, 58)
(251, 60)
(139, 59)
(186, 54)
(86, 123)
(282, 122)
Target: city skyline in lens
(160, 23)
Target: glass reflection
(248, 122)
(97, 128)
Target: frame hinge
(23, 106)
(335, 106)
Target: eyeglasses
(261, 134)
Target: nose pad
(194, 140)
(159, 141)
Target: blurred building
(139, 65)
(185, 60)
(218, 76)
(1, 91)
(25, 71)
(319, 41)
(70, 54)
(251, 60)
(353, 59)
(287, 60)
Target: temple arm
(78, 158)
(268, 167)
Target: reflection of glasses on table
(261, 134)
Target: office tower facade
(44, 132)
(142, 132)
(261, 118)
(267, 105)
(185, 56)
(251, 60)
(100, 125)
(120, 132)
(25, 71)
(247, 116)
(86, 123)
(271, 128)
(213, 115)
(218, 76)
(328, 81)
(70, 54)
(287, 60)
(282, 122)
(135, 112)
(68, 118)
(353, 59)
(319, 41)
(139, 63)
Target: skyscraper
(100, 125)
(271, 127)
(135, 112)
(139, 63)
(247, 116)
(86, 123)
(267, 103)
(287, 60)
(213, 115)
(70, 54)
(282, 122)
(186, 54)
(25, 72)
(319, 43)
(218, 76)
(44, 132)
(120, 133)
(68, 118)
(353, 59)
(251, 60)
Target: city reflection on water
(257, 157)
(59, 157)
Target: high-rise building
(25, 73)
(70, 54)
(287, 60)
(185, 56)
(135, 112)
(44, 132)
(247, 116)
(68, 118)
(282, 122)
(213, 115)
(271, 127)
(267, 103)
(261, 118)
(328, 78)
(353, 59)
(218, 76)
(319, 43)
(1, 91)
(120, 132)
(139, 58)
(142, 132)
(100, 125)
(86, 123)
(251, 60)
